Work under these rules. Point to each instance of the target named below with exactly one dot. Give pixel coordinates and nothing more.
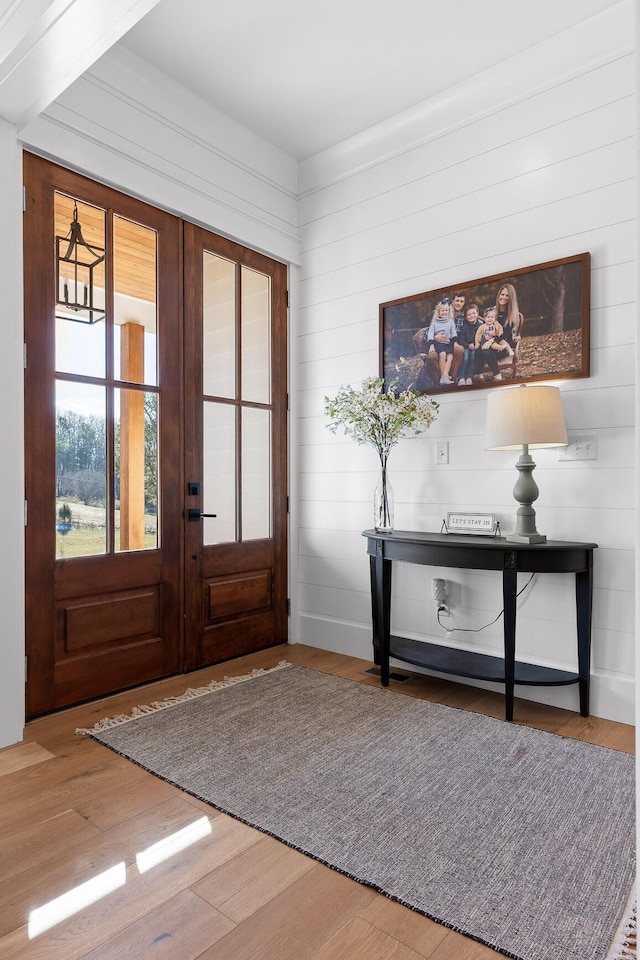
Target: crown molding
(128, 125)
(135, 82)
(571, 53)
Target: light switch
(442, 451)
(580, 447)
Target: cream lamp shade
(519, 418)
(524, 415)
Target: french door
(235, 449)
(118, 439)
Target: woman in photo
(508, 313)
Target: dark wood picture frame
(544, 333)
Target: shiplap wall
(128, 125)
(533, 161)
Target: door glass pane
(81, 479)
(256, 336)
(135, 329)
(256, 473)
(80, 294)
(136, 470)
(219, 481)
(219, 327)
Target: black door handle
(194, 514)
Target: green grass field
(88, 535)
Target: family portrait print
(531, 324)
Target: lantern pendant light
(76, 262)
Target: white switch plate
(442, 451)
(581, 446)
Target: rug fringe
(190, 693)
(625, 944)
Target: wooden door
(235, 450)
(103, 402)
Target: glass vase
(383, 503)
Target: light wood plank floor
(74, 815)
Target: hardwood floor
(75, 815)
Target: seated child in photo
(490, 341)
(489, 335)
(442, 326)
(467, 339)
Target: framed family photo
(526, 325)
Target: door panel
(242, 593)
(103, 402)
(236, 427)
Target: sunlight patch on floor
(75, 900)
(173, 844)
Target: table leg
(584, 594)
(509, 589)
(381, 599)
(374, 611)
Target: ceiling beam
(46, 45)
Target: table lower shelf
(477, 666)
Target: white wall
(533, 161)
(11, 432)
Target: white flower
(377, 417)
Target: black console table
(480, 553)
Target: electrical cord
(451, 630)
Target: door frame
(40, 617)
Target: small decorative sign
(478, 524)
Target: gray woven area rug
(518, 838)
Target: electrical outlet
(439, 590)
(581, 446)
(442, 451)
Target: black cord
(490, 624)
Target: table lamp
(519, 418)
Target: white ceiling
(306, 75)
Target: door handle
(195, 514)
